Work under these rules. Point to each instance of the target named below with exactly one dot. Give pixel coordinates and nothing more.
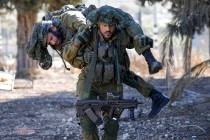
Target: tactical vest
(108, 53)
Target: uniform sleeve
(74, 20)
(70, 55)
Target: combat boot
(153, 64)
(158, 102)
(154, 67)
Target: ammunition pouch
(104, 73)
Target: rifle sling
(91, 69)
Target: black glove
(82, 37)
(46, 60)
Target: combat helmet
(105, 14)
(37, 45)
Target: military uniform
(75, 55)
(105, 81)
(67, 25)
(112, 64)
(78, 59)
(102, 83)
(110, 70)
(73, 21)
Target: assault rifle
(90, 108)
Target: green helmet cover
(37, 45)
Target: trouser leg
(154, 65)
(135, 81)
(111, 127)
(89, 129)
(147, 90)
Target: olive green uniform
(102, 83)
(74, 21)
(80, 58)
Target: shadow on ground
(52, 117)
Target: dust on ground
(46, 111)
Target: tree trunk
(24, 27)
(209, 42)
(187, 55)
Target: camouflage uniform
(35, 48)
(80, 58)
(72, 21)
(75, 57)
(67, 25)
(110, 70)
(105, 77)
(104, 81)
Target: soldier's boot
(158, 102)
(154, 65)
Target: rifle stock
(89, 107)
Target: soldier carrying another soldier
(108, 36)
(103, 46)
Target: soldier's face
(52, 39)
(107, 30)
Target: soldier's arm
(70, 54)
(73, 51)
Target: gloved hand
(45, 61)
(82, 37)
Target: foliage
(189, 16)
(24, 5)
(186, 80)
(30, 5)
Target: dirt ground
(46, 112)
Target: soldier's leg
(111, 127)
(89, 129)
(133, 80)
(154, 65)
(147, 90)
(142, 46)
(111, 124)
